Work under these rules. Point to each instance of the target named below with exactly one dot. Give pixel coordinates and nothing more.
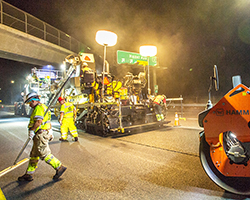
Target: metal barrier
(22, 21)
(176, 99)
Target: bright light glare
(48, 67)
(148, 50)
(29, 77)
(231, 134)
(106, 38)
(63, 66)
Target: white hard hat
(31, 96)
(84, 64)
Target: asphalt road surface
(160, 164)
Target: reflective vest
(159, 100)
(68, 110)
(84, 70)
(87, 77)
(123, 93)
(38, 113)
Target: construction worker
(67, 120)
(84, 67)
(39, 130)
(124, 98)
(34, 75)
(87, 78)
(159, 101)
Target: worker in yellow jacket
(67, 120)
(39, 130)
(159, 102)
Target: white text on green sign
(125, 57)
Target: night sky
(191, 36)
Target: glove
(31, 134)
(51, 136)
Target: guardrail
(22, 21)
(7, 108)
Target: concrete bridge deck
(27, 39)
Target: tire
(237, 185)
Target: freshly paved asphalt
(160, 164)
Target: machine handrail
(31, 25)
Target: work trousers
(158, 112)
(68, 124)
(41, 150)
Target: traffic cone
(176, 121)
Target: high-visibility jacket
(84, 69)
(37, 114)
(68, 110)
(123, 93)
(159, 99)
(89, 80)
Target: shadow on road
(25, 194)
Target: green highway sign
(125, 57)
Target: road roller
(225, 141)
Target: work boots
(28, 177)
(74, 139)
(59, 172)
(25, 177)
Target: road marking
(8, 169)
(2, 197)
(189, 127)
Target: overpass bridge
(25, 38)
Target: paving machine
(113, 106)
(225, 141)
(42, 81)
(106, 119)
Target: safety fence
(22, 21)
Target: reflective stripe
(46, 122)
(50, 158)
(53, 161)
(32, 165)
(30, 172)
(38, 117)
(64, 135)
(42, 130)
(68, 110)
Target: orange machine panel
(231, 113)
